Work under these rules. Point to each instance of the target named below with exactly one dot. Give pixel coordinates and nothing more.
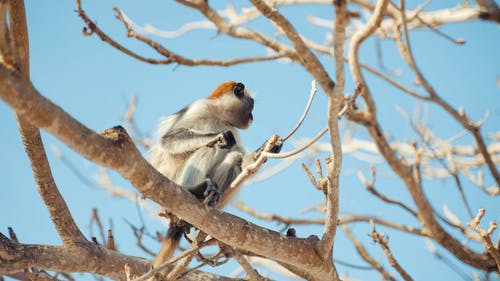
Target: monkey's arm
(182, 140)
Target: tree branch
(240, 32)
(486, 236)
(114, 149)
(306, 58)
(47, 188)
(363, 253)
(403, 170)
(97, 259)
(335, 99)
(384, 244)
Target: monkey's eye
(239, 89)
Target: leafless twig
(384, 244)
(486, 236)
(363, 253)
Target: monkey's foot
(206, 191)
(211, 193)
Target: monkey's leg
(195, 178)
(225, 173)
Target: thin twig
(92, 28)
(297, 150)
(486, 236)
(164, 265)
(240, 32)
(253, 275)
(306, 110)
(384, 244)
(174, 57)
(342, 112)
(363, 253)
(321, 182)
(183, 264)
(94, 218)
(370, 187)
(460, 41)
(426, 137)
(343, 220)
(248, 171)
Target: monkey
(199, 148)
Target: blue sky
(94, 83)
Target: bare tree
(414, 162)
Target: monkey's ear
(239, 89)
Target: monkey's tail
(170, 242)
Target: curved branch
(33, 145)
(312, 93)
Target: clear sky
(94, 83)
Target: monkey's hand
(223, 140)
(206, 191)
(275, 149)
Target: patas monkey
(199, 148)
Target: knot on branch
(8, 248)
(117, 135)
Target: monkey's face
(233, 104)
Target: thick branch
(87, 258)
(90, 258)
(114, 149)
(59, 212)
(334, 104)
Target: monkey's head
(233, 104)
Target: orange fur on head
(222, 89)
